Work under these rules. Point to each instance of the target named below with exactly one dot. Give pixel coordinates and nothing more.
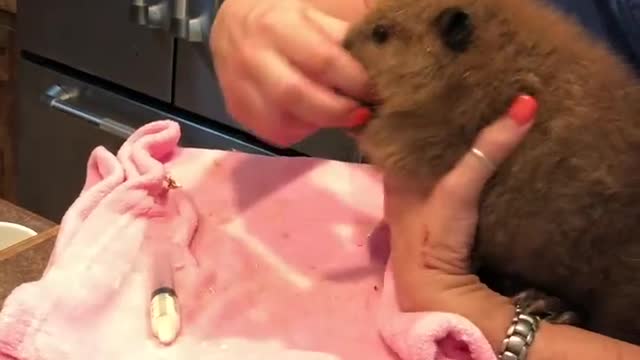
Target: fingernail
(523, 110)
(359, 117)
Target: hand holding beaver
(432, 239)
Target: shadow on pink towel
(273, 258)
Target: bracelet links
(520, 336)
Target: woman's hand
(282, 69)
(431, 238)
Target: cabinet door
(98, 37)
(197, 89)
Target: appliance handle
(153, 16)
(184, 27)
(191, 29)
(57, 98)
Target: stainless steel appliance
(91, 71)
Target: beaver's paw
(548, 308)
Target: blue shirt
(617, 22)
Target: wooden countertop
(24, 262)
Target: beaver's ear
(455, 28)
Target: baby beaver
(560, 214)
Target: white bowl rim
(28, 230)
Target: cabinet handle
(153, 16)
(57, 98)
(185, 27)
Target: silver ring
(480, 155)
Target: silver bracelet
(520, 336)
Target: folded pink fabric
(273, 258)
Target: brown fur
(562, 212)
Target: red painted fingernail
(523, 110)
(359, 117)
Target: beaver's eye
(455, 28)
(380, 33)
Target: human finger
(493, 145)
(264, 121)
(287, 88)
(315, 50)
(335, 29)
(243, 100)
(248, 107)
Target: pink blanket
(273, 258)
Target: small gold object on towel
(171, 183)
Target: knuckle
(234, 108)
(288, 92)
(232, 98)
(275, 138)
(268, 22)
(272, 19)
(265, 129)
(244, 55)
(277, 133)
(241, 114)
(324, 61)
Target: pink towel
(274, 258)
